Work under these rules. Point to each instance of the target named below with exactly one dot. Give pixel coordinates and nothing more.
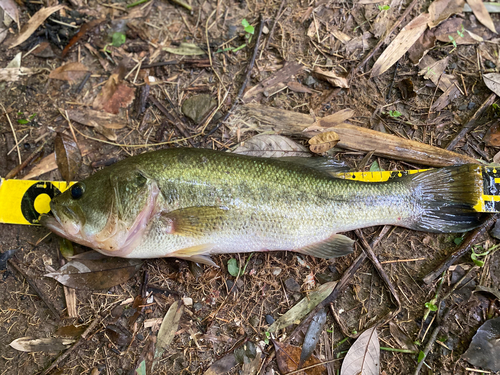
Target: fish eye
(77, 190)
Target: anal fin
(335, 246)
(198, 254)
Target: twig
(470, 124)
(464, 248)
(271, 32)
(245, 82)
(428, 347)
(382, 40)
(13, 173)
(52, 309)
(341, 284)
(13, 133)
(82, 338)
(162, 108)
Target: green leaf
(395, 114)
(421, 356)
(375, 167)
(22, 121)
(232, 267)
(431, 306)
(118, 39)
(458, 240)
(385, 7)
(248, 28)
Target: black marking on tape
(489, 185)
(29, 197)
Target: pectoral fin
(198, 253)
(195, 221)
(336, 246)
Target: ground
(227, 311)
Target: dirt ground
(223, 318)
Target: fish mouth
(69, 228)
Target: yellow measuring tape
(23, 201)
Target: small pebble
(229, 284)
(240, 284)
(197, 306)
(452, 66)
(187, 301)
(140, 336)
(276, 271)
(269, 319)
(490, 64)
(310, 81)
(471, 105)
(292, 285)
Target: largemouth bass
(190, 203)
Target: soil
(221, 317)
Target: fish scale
(191, 203)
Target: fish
(191, 203)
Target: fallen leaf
(312, 336)
(44, 50)
(70, 72)
(114, 95)
(68, 156)
(118, 335)
(222, 366)
(185, 49)
(401, 338)
(46, 344)
(492, 136)
(288, 357)
(490, 7)
(484, 350)
(333, 78)
(441, 10)
(168, 328)
(10, 7)
(99, 273)
(33, 24)
(401, 44)
(323, 142)
(70, 331)
(93, 118)
(329, 121)
(198, 106)
(481, 13)
(303, 307)
(84, 29)
(492, 81)
(298, 87)
(426, 41)
(495, 292)
(271, 146)
(462, 32)
(363, 357)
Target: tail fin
(446, 198)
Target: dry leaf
(33, 24)
(323, 142)
(426, 41)
(484, 350)
(68, 156)
(222, 366)
(490, 7)
(441, 10)
(492, 136)
(329, 121)
(70, 72)
(333, 78)
(271, 146)
(288, 357)
(10, 7)
(298, 87)
(402, 43)
(46, 344)
(168, 328)
(114, 95)
(492, 81)
(312, 336)
(93, 118)
(482, 14)
(100, 273)
(363, 357)
(469, 34)
(303, 307)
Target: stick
(245, 82)
(13, 133)
(52, 309)
(464, 248)
(13, 173)
(82, 338)
(382, 40)
(428, 347)
(472, 122)
(274, 24)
